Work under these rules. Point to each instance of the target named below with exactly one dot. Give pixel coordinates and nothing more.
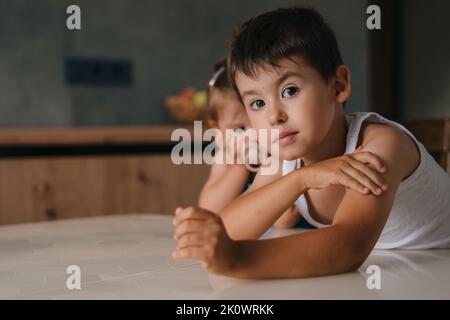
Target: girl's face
(230, 111)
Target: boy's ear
(342, 85)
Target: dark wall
(171, 43)
(425, 81)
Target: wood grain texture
(435, 136)
(41, 189)
(87, 135)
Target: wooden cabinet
(50, 174)
(435, 136)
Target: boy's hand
(202, 236)
(355, 171)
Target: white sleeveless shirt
(420, 214)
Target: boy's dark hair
(279, 34)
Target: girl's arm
(224, 184)
(288, 219)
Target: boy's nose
(276, 115)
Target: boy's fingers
(368, 157)
(189, 226)
(369, 172)
(353, 184)
(179, 219)
(197, 253)
(191, 213)
(362, 179)
(191, 239)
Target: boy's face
(293, 98)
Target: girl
(226, 181)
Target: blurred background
(83, 121)
(173, 44)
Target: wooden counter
(54, 173)
(87, 136)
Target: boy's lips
(286, 137)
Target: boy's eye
(289, 92)
(257, 104)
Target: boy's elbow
(356, 263)
(356, 252)
(351, 264)
(358, 255)
(353, 246)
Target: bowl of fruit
(188, 105)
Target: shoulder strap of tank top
(354, 122)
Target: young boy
(286, 67)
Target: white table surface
(129, 257)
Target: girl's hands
(201, 235)
(359, 171)
(238, 147)
(224, 149)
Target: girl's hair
(219, 80)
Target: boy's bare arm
(251, 214)
(291, 216)
(341, 247)
(344, 245)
